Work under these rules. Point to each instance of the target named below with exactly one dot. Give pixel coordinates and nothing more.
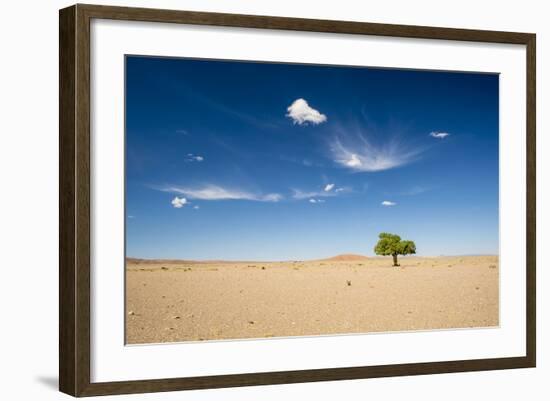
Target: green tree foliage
(392, 244)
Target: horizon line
(230, 260)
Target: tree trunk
(395, 259)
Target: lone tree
(392, 244)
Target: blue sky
(260, 161)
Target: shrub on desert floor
(392, 244)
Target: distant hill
(346, 257)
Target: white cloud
(324, 193)
(194, 158)
(299, 194)
(270, 198)
(388, 203)
(353, 161)
(301, 113)
(363, 156)
(312, 200)
(179, 202)
(214, 192)
(196, 207)
(439, 135)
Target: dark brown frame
(74, 200)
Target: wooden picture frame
(74, 200)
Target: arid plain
(172, 301)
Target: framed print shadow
(250, 200)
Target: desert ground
(171, 301)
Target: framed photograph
(250, 200)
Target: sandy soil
(171, 301)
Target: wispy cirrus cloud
(313, 200)
(439, 134)
(300, 194)
(216, 107)
(218, 193)
(302, 113)
(194, 158)
(301, 161)
(410, 191)
(388, 203)
(359, 154)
